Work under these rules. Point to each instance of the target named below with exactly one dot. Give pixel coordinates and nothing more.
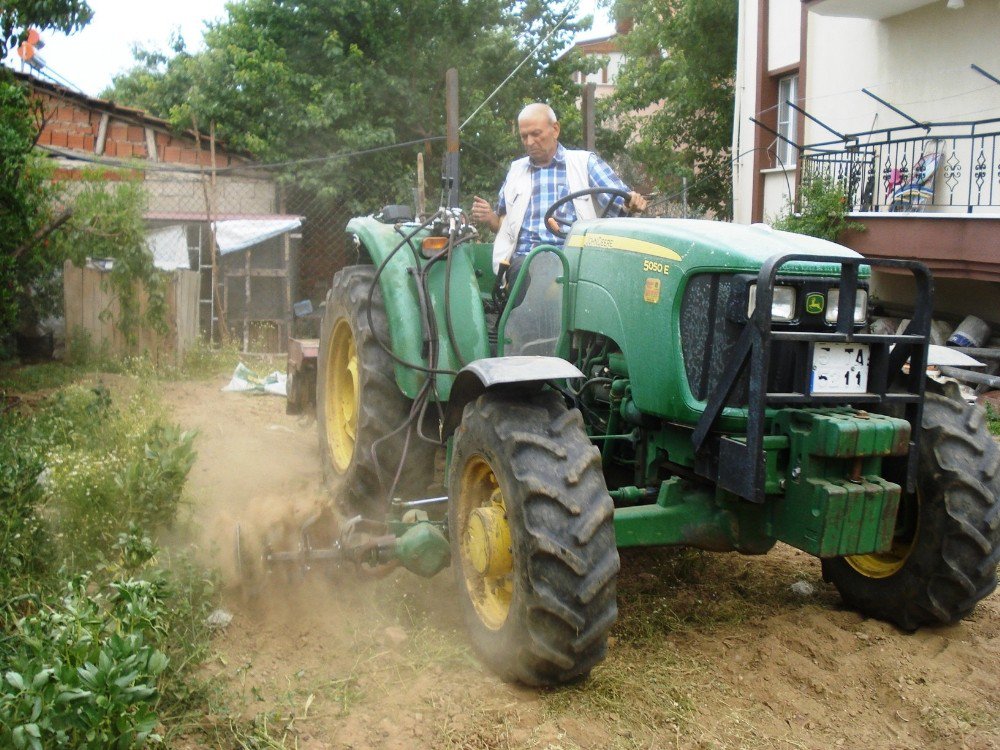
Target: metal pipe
(984, 73)
(420, 503)
(897, 110)
(816, 120)
(965, 376)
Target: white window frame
(788, 120)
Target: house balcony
(871, 9)
(929, 192)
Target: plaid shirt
(549, 184)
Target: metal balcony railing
(949, 167)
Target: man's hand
(636, 203)
(483, 213)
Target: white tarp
(169, 247)
(239, 234)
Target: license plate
(840, 368)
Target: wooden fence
(92, 308)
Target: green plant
(83, 672)
(993, 419)
(107, 222)
(822, 212)
(31, 378)
(23, 535)
(26, 195)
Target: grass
(992, 419)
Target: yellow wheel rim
(343, 393)
(886, 564)
(484, 538)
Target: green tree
(25, 203)
(26, 192)
(300, 80)
(681, 53)
(16, 16)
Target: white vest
(517, 196)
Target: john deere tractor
(650, 382)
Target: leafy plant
(107, 223)
(23, 536)
(822, 212)
(26, 194)
(84, 671)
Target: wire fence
(266, 242)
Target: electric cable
(516, 68)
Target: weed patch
(99, 638)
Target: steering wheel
(555, 225)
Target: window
(788, 88)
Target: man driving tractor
(536, 181)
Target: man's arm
(602, 175)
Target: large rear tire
(532, 535)
(359, 405)
(947, 544)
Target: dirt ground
(710, 651)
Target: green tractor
(651, 382)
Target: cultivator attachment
(371, 547)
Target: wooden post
(587, 110)
(218, 305)
(421, 200)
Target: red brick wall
(74, 125)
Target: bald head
(538, 109)
(539, 131)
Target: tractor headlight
(860, 306)
(782, 303)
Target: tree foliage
(25, 202)
(681, 53)
(16, 16)
(299, 80)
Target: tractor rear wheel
(532, 535)
(947, 544)
(359, 407)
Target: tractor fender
(384, 246)
(496, 372)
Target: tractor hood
(735, 247)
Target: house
(608, 48)
(200, 195)
(898, 101)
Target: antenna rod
(451, 172)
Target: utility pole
(587, 110)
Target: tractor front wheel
(360, 410)
(947, 544)
(532, 535)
